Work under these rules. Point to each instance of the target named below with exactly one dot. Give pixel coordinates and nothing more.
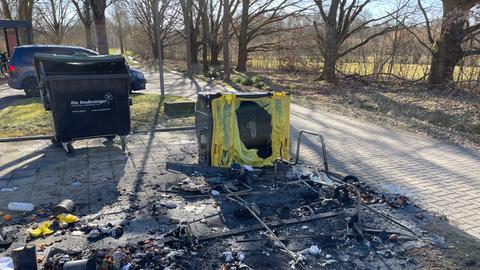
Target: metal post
(30, 35)
(226, 43)
(16, 36)
(324, 151)
(6, 41)
(159, 46)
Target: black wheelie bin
(88, 96)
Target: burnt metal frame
(324, 150)
(16, 24)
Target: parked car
(22, 71)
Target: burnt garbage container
(88, 96)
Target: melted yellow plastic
(227, 148)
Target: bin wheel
(124, 143)
(68, 147)
(31, 87)
(54, 140)
(110, 138)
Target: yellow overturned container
(244, 128)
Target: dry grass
(406, 71)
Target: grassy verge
(26, 117)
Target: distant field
(406, 71)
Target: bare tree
(216, 22)
(255, 20)
(215, 25)
(84, 13)
(168, 16)
(187, 17)
(202, 8)
(7, 14)
(20, 10)
(119, 23)
(226, 43)
(341, 22)
(448, 49)
(98, 9)
(54, 19)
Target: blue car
(22, 71)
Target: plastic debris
(94, 234)
(214, 192)
(62, 225)
(103, 231)
(77, 233)
(42, 230)
(7, 218)
(6, 263)
(313, 250)
(227, 256)
(67, 218)
(76, 183)
(169, 205)
(118, 256)
(240, 256)
(393, 237)
(248, 168)
(20, 207)
(8, 189)
(327, 262)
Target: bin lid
(53, 65)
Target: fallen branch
(270, 224)
(309, 236)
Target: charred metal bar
(243, 203)
(324, 151)
(278, 223)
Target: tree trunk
(226, 41)
(204, 19)
(6, 10)
(214, 53)
(122, 43)
(88, 37)
(329, 73)
(98, 9)
(330, 52)
(194, 44)
(24, 12)
(242, 39)
(186, 10)
(102, 39)
(447, 50)
(154, 47)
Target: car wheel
(31, 88)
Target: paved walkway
(440, 177)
